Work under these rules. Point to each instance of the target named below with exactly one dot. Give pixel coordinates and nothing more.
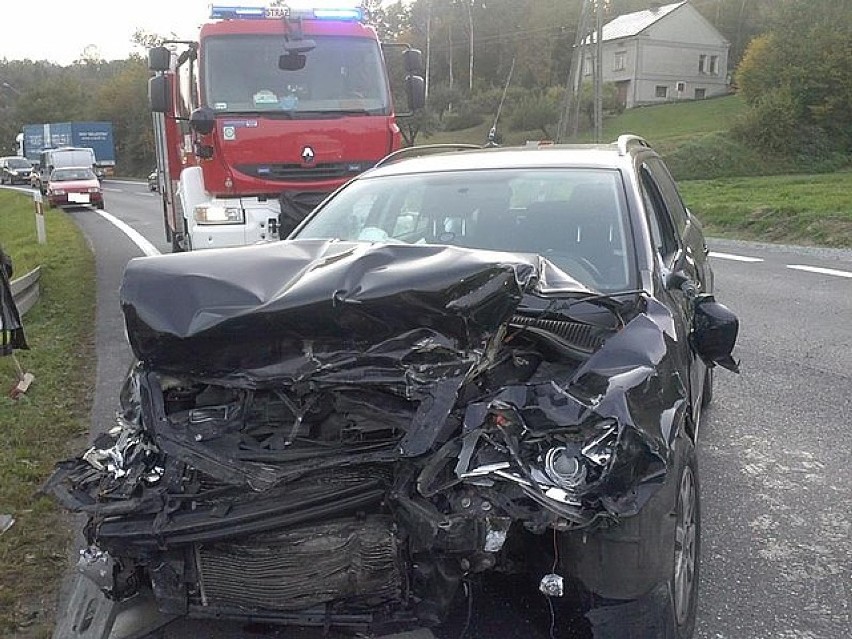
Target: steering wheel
(581, 268)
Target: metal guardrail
(26, 290)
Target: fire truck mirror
(202, 120)
(159, 94)
(159, 59)
(413, 59)
(292, 62)
(415, 90)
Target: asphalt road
(774, 450)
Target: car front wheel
(687, 528)
(641, 575)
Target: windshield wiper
(607, 301)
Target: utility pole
(569, 120)
(470, 23)
(599, 14)
(588, 44)
(428, 46)
(450, 42)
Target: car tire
(707, 392)
(642, 575)
(177, 244)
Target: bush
(722, 155)
(488, 101)
(536, 113)
(771, 124)
(715, 155)
(459, 120)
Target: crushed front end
(321, 433)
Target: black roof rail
(627, 139)
(425, 149)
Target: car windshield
(18, 163)
(242, 73)
(67, 175)
(576, 218)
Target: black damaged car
(462, 364)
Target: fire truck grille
(301, 173)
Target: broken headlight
(569, 466)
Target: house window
(681, 87)
(662, 91)
(700, 93)
(714, 65)
(619, 63)
(702, 62)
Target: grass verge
(795, 209)
(40, 428)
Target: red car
(74, 186)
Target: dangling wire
(468, 591)
(492, 134)
(550, 599)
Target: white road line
(821, 271)
(735, 258)
(113, 190)
(144, 245)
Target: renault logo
(308, 155)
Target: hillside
(663, 125)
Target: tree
(802, 68)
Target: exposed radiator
(301, 568)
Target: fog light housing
(217, 214)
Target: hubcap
(685, 546)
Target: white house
(665, 53)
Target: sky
(60, 30)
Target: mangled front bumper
(386, 413)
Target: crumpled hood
(286, 309)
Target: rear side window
(662, 227)
(668, 190)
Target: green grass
(800, 209)
(666, 126)
(45, 424)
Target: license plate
(79, 198)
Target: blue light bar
(338, 14)
(237, 13)
(335, 10)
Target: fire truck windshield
(341, 75)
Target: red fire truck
(269, 112)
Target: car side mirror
(714, 332)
